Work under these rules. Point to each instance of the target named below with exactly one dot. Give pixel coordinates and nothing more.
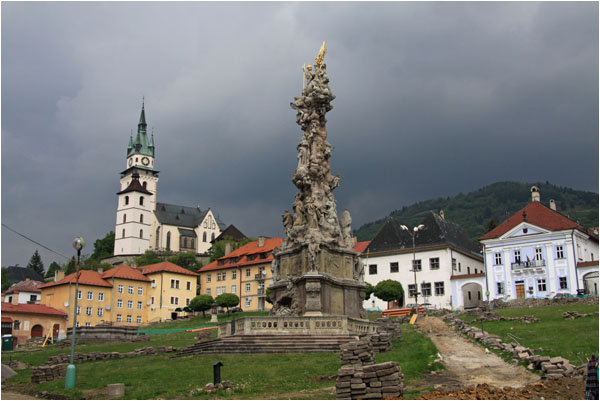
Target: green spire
(142, 123)
(141, 145)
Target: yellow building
(25, 321)
(245, 272)
(129, 295)
(171, 287)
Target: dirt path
(467, 363)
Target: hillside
(495, 202)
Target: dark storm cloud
(432, 99)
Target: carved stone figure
(275, 265)
(346, 221)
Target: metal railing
(528, 264)
(260, 276)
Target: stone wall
(106, 333)
(97, 356)
(378, 381)
(46, 373)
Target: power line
(35, 242)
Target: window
(78, 310)
(141, 233)
(88, 311)
(411, 290)
(204, 237)
(517, 255)
(212, 237)
(120, 289)
(224, 276)
(459, 267)
(124, 218)
(187, 301)
(79, 294)
(128, 318)
(17, 325)
(188, 286)
(130, 290)
(372, 269)
(417, 265)
(185, 242)
(119, 319)
(153, 284)
(559, 252)
(453, 264)
(123, 234)
(88, 324)
(33, 298)
(78, 324)
(426, 289)
(152, 300)
(208, 278)
(394, 267)
(247, 287)
(233, 289)
(139, 305)
(141, 201)
(248, 300)
(468, 269)
(218, 291)
(247, 272)
(141, 218)
(439, 288)
(175, 284)
(119, 303)
(208, 291)
(192, 243)
(90, 296)
(234, 274)
(168, 240)
(127, 200)
(218, 276)
(140, 290)
(100, 311)
(500, 288)
(174, 300)
(434, 263)
(138, 320)
(130, 304)
(563, 283)
(100, 296)
(538, 253)
(497, 258)
(541, 284)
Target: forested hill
(491, 205)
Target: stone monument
(316, 272)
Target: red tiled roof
(360, 247)
(126, 272)
(24, 286)
(538, 215)
(166, 267)
(87, 277)
(6, 320)
(241, 254)
(588, 264)
(31, 308)
(459, 276)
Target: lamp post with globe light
(78, 244)
(413, 233)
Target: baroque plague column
(316, 272)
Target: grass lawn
(552, 335)
(255, 376)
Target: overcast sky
(433, 99)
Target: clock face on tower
(130, 162)
(145, 161)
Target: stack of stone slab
(46, 373)
(494, 317)
(357, 353)
(381, 342)
(392, 326)
(574, 315)
(378, 381)
(554, 368)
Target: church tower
(137, 197)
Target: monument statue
(316, 266)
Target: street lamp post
(78, 244)
(413, 233)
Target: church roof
(187, 233)
(141, 144)
(230, 232)
(437, 231)
(135, 186)
(183, 216)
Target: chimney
(535, 194)
(59, 275)
(15, 298)
(227, 248)
(100, 270)
(552, 204)
(261, 241)
(26, 278)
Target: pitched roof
(239, 257)
(187, 233)
(230, 232)
(183, 216)
(24, 286)
(18, 273)
(538, 215)
(126, 272)
(361, 246)
(437, 231)
(135, 186)
(31, 308)
(86, 277)
(165, 267)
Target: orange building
(24, 321)
(129, 295)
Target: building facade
(24, 292)
(245, 272)
(538, 252)
(24, 321)
(445, 260)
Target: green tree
(51, 269)
(369, 290)
(36, 264)
(268, 296)
(389, 290)
(186, 260)
(201, 303)
(104, 248)
(490, 225)
(5, 283)
(89, 263)
(227, 300)
(148, 258)
(69, 268)
(217, 250)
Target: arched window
(204, 237)
(192, 244)
(185, 242)
(124, 218)
(144, 184)
(142, 200)
(169, 240)
(123, 233)
(157, 237)
(141, 218)
(141, 233)
(212, 237)
(127, 200)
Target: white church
(143, 223)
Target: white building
(538, 252)
(24, 292)
(142, 222)
(449, 268)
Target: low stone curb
(96, 356)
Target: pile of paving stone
(46, 373)
(97, 356)
(357, 353)
(372, 382)
(574, 315)
(494, 317)
(392, 326)
(381, 342)
(211, 388)
(551, 368)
